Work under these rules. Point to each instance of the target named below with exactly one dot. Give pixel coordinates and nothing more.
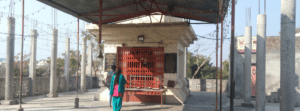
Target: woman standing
(117, 90)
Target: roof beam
(111, 8)
(124, 17)
(181, 6)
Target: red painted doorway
(143, 67)
(253, 80)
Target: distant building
(272, 64)
(2, 67)
(42, 63)
(2, 61)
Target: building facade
(272, 65)
(160, 55)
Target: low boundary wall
(208, 85)
(43, 85)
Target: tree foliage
(17, 59)
(96, 62)
(207, 71)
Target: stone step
(178, 95)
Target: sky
(273, 11)
(43, 16)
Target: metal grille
(142, 67)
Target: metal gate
(142, 67)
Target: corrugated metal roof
(201, 10)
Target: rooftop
(117, 10)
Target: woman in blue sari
(117, 90)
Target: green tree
(206, 71)
(73, 62)
(16, 69)
(225, 70)
(190, 62)
(60, 66)
(40, 71)
(97, 62)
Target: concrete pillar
(90, 61)
(261, 63)
(186, 82)
(287, 56)
(83, 66)
(53, 74)
(32, 64)
(9, 74)
(247, 68)
(67, 62)
(180, 85)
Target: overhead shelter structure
(144, 61)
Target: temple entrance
(143, 68)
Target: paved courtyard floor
(198, 101)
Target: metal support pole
(21, 62)
(258, 6)
(221, 64)
(232, 55)
(100, 21)
(100, 29)
(265, 7)
(217, 47)
(77, 99)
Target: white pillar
(287, 56)
(247, 68)
(53, 74)
(187, 90)
(9, 74)
(181, 86)
(32, 66)
(90, 61)
(261, 63)
(67, 62)
(83, 66)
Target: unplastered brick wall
(208, 85)
(273, 42)
(272, 65)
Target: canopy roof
(116, 10)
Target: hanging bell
(100, 54)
